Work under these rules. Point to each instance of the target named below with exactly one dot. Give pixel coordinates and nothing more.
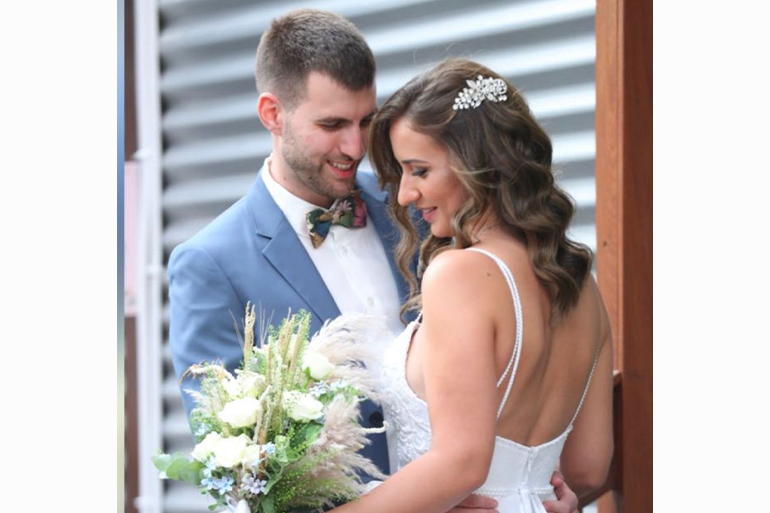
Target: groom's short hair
(308, 40)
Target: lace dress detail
(519, 475)
(405, 412)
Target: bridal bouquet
(282, 433)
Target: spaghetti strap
(585, 390)
(513, 363)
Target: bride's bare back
(555, 363)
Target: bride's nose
(406, 192)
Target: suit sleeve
(205, 310)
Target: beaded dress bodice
(519, 476)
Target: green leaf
(169, 463)
(267, 504)
(191, 473)
(220, 503)
(273, 480)
(180, 468)
(306, 434)
(174, 470)
(162, 461)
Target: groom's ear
(270, 112)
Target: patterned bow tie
(349, 212)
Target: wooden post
(624, 230)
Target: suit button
(375, 419)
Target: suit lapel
(286, 253)
(289, 257)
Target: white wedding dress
(519, 475)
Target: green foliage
(211, 385)
(162, 461)
(303, 325)
(281, 448)
(267, 504)
(272, 333)
(177, 466)
(258, 362)
(304, 435)
(200, 417)
(300, 488)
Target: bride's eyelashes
(419, 171)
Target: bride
(507, 373)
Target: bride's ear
(271, 113)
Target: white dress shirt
(351, 261)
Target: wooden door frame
(624, 233)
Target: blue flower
(319, 389)
(255, 463)
(211, 466)
(209, 482)
(253, 485)
(224, 485)
(270, 448)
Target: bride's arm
(459, 374)
(587, 454)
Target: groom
(274, 247)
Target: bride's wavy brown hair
(502, 157)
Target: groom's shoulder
(221, 237)
(368, 183)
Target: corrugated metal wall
(214, 143)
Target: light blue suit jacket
(251, 253)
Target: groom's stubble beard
(310, 171)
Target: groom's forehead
(329, 101)
(322, 87)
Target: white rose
(229, 451)
(251, 454)
(206, 446)
(250, 382)
(319, 366)
(302, 407)
(241, 412)
(242, 386)
(233, 387)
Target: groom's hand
(475, 503)
(567, 499)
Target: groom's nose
(353, 142)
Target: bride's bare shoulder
(457, 270)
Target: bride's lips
(343, 170)
(428, 213)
